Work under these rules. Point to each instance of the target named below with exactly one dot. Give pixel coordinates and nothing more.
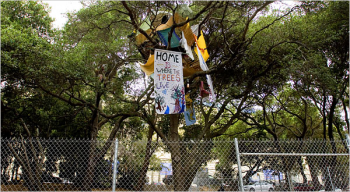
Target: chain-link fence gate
(211, 165)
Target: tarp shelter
(156, 19)
(185, 28)
(188, 69)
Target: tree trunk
(324, 121)
(149, 151)
(185, 161)
(250, 172)
(32, 170)
(346, 116)
(314, 172)
(330, 119)
(89, 174)
(188, 163)
(301, 168)
(176, 155)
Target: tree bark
(89, 174)
(149, 151)
(346, 116)
(176, 156)
(185, 164)
(324, 117)
(314, 172)
(330, 119)
(300, 162)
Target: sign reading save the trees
(168, 82)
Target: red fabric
(203, 92)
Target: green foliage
(57, 80)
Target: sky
(58, 10)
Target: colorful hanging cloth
(186, 46)
(202, 46)
(204, 67)
(148, 68)
(203, 93)
(164, 34)
(190, 116)
(188, 34)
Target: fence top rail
(215, 140)
(294, 154)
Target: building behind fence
(217, 165)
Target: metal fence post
(330, 178)
(290, 183)
(348, 143)
(115, 167)
(239, 166)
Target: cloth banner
(204, 67)
(190, 116)
(186, 46)
(168, 82)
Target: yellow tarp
(188, 34)
(140, 38)
(190, 67)
(169, 23)
(186, 28)
(148, 68)
(202, 46)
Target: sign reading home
(168, 82)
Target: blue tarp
(269, 174)
(164, 34)
(167, 169)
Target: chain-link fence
(235, 165)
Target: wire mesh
(211, 165)
(295, 165)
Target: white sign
(168, 82)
